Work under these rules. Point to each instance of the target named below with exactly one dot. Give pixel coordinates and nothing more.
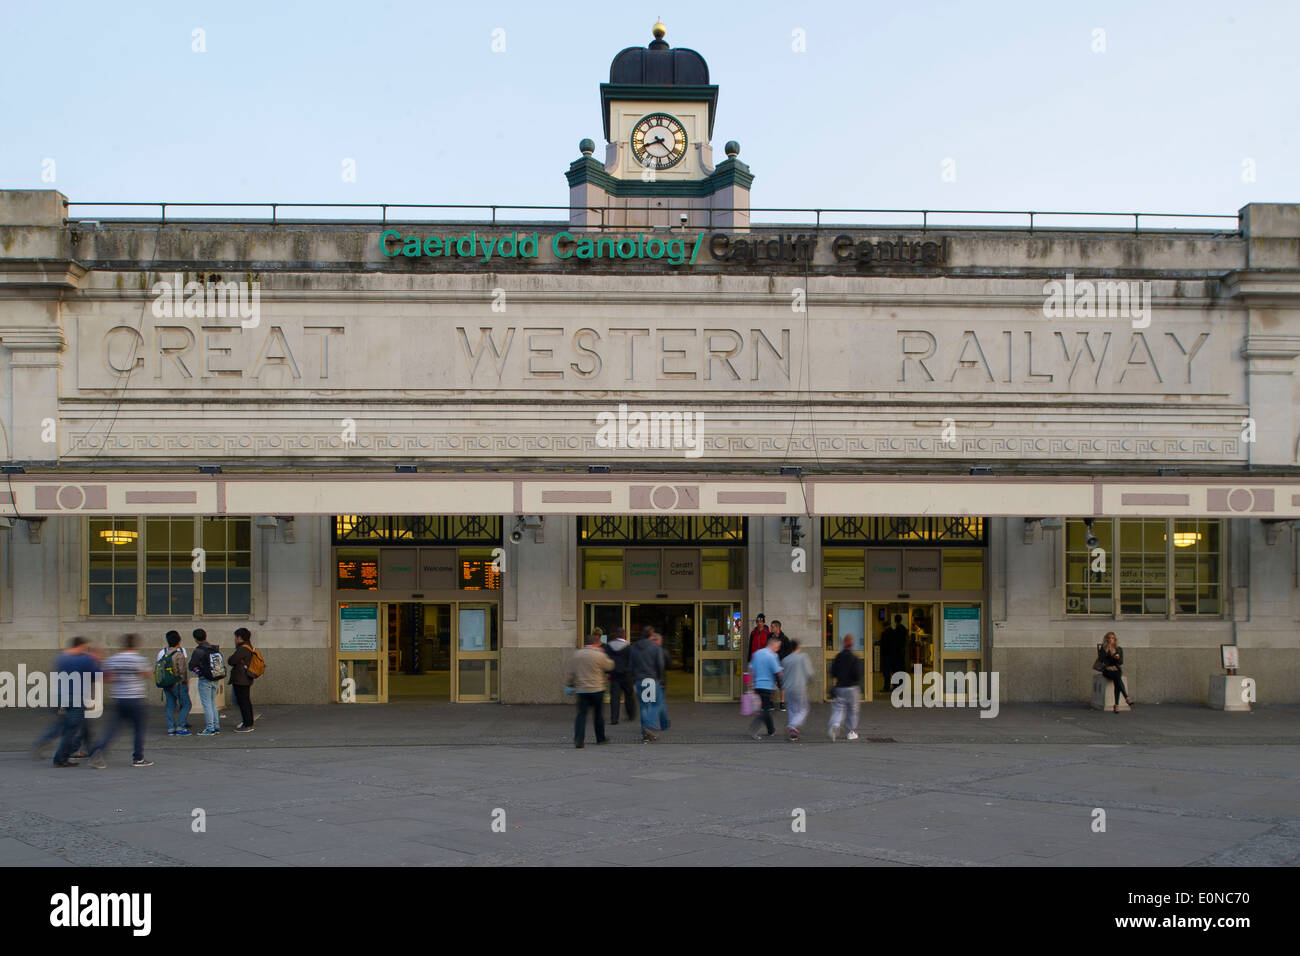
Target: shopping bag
(749, 704)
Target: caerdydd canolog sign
(667, 247)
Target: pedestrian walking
(782, 653)
(76, 646)
(646, 658)
(71, 685)
(757, 638)
(846, 670)
(1110, 661)
(209, 665)
(586, 677)
(127, 672)
(620, 678)
(796, 673)
(766, 667)
(657, 639)
(893, 650)
(171, 673)
(246, 666)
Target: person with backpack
(620, 679)
(208, 663)
(246, 665)
(171, 674)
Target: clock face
(658, 141)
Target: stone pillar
(35, 272)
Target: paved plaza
(423, 784)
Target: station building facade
(422, 459)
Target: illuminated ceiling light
(1185, 539)
(119, 536)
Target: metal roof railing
(922, 219)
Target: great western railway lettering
(844, 350)
(630, 354)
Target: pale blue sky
(1011, 91)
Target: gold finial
(659, 29)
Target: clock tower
(658, 109)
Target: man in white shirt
(127, 672)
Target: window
(902, 530)
(661, 529)
(146, 565)
(1132, 570)
(113, 565)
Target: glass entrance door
(362, 669)
(720, 643)
(905, 635)
(676, 621)
(419, 648)
(843, 619)
(477, 658)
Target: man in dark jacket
(893, 650)
(241, 680)
(646, 659)
(620, 679)
(201, 665)
(782, 653)
(846, 669)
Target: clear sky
(1175, 107)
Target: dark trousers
(74, 732)
(595, 703)
(620, 685)
(243, 696)
(126, 709)
(1114, 677)
(765, 715)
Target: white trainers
(832, 732)
(852, 735)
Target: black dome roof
(658, 72)
(659, 65)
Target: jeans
(844, 711)
(798, 704)
(126, 708)
(764, 716)
(177, 701)
(244, 696)
(620, 686)
(74, 727)
(54, 730)
(1114, 677)
(208, 698)
(595, 702)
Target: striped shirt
(127, 675)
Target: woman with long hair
(1110, 657)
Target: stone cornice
(33, 340)
(41, 272)
(1262, 288)
(1266, 345)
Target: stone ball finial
(732, 149)
(586, 147)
